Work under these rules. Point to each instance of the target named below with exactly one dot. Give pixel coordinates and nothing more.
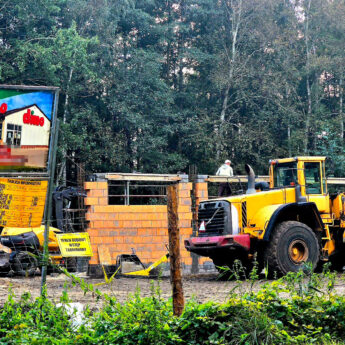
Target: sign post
(48, 205)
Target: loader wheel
(71, 264)
(338, 259)
(24, 264)
(223, 267)
(291, 246)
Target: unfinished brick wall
(201, 193)
(144, 228)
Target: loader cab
(308, 172)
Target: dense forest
(158, 85)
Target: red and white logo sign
(30, 119)
(202, 227)
(3, 108)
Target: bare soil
(202, 288)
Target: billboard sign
(22, 202)
(27, 114)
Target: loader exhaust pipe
(251, 179)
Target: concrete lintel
(184, 178)
(201, 178)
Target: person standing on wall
(226, 171)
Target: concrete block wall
(142, 227)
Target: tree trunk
(63, 170)
(309, 111)
(235, 18)
(341, 113)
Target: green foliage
(301, 308)
(144, 83)
(38, 321)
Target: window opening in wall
(137, 192)
(14, 134)
(235, 187)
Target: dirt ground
(202, 287)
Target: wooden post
(174, 251)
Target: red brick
(201, 186)
(152, 232)
(103, 201)
(162, 231)
(107, 240)
(143, 232)
(98, 224)
(118, 239)
(129, 239)
(185, 216)
(186, 232)
(95, 193)
(90, 185)
(185, 186)
(96, 240)
(93, 232)
(202, 194)
(147, 239)
(182, 209)
(102, 185)
(184, 193)
(91, 201)
(128, 232)
(185, 201)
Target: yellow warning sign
(22, 202)
(74, 244)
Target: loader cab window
(312, 174)
(285, 174)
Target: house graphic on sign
(26, 132)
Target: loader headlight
(234, 220)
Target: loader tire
(24, 264)
(292, 245)
(224, 268)
(338, 259)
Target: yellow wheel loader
(21, 248)
(284, 224)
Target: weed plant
(300, 308)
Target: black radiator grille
(244, 214)
(215, 215)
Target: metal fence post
(48, 204)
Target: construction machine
(293, 221)
(20, 248)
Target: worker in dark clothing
(226, 171)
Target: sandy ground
(202, 288)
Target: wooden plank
(336, 180)
(243, 179)
(174, 251)
(142, 177)
(236, 179)
(104, 255)
(211, 178)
